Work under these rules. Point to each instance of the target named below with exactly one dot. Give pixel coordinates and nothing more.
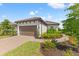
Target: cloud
(36, 12)
(48, 17)
(51, 18)
(43, 17)
(4, 16)
(40, 8)
(71, 4)
(57, 5)
(33, 12)
(1, 4)
(61, 25)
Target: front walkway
(10, 43)
(63, 39)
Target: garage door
(28, 30)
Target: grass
(27, 49)
(1, 37)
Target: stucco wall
(27, 23)
(42, 28)
(53, 26)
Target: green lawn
(27, 49)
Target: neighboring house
(53, 25)
(34, 26)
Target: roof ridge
(28, 19)
(51, 22)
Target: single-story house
(35, 26)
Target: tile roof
(32, 19)
(50, 22)
(29, 19)
(37, 18)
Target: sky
(48, 11)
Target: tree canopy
(71, 24)
(6, 28)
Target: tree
(7, 28)
(71, 24)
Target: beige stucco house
(35, 26)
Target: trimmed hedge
(52, 34)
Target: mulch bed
(55, 51)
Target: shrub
(52, 34)
(45, 35)
(51, 31)
(68, 52)
(7, 28)
(73, 41)
(57, 35)
(49, 44)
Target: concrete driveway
(10, 43)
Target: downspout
(18, 32)
(47, 28)
(37, 29)
(37, 32)
(41, 29)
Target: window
(21, 23)
(17, 23)
(29, 21)
(25, 22)
(51, 26)
(33, 22)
